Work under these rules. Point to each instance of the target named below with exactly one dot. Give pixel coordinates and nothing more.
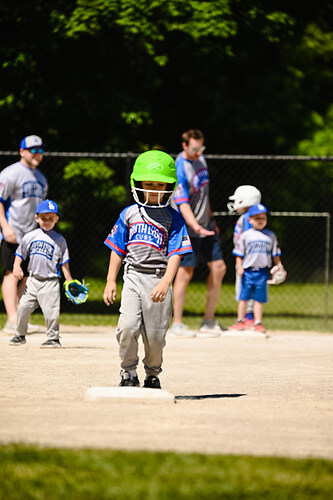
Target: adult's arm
(7, 230)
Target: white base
(244, 333)
(128, 393)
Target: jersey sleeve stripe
(111, 245)
(180, 251)
(182, 200)
(238, 253)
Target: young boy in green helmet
(149, 237)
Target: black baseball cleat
(18, 340)
(128, 381)
(51, 344)
(152, 382)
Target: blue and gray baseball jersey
(257, 248)
(242, 224)
(47, 251)
(147, 237)
(193, 188)
(21, 190)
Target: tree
(115, 75)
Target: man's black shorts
(8, 255)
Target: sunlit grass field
(28, 472)
(290, 307)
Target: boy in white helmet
(150, 237)
(243, 198)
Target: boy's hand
(159, 291)
(239, 270)
(18, 272)
(110, 292)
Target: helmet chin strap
(231, 207)
(146, 192)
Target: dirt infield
(233, 395)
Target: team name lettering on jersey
(200, 179)
(259, 247)
(32, 189)
(146, 234)
(42, 248)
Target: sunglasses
(36, 150)
(198, 150)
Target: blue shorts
(204, 250)
(254, 285)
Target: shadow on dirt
(209, 396)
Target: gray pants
(43, 293)
(140, 315)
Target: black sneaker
(18, 340)
(128, 381)
(152, 382)
(51, 343)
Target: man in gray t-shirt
(22, 188)
(192, 200)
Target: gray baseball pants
(46, 294)
(140, 315)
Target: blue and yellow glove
(76, 291)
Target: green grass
(290, 307)
(28, 472)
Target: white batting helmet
(244, 196)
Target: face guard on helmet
(153, 166)
(243, 197)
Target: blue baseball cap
(257, 209)
(47, 207)
(30, 141)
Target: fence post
(327, 268)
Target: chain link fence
(92, 188)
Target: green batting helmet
(154, 166)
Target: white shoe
(210, 328)
(181, 330)
(10, 327)
(35, 328)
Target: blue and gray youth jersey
(47, 252)
(147, 237)
(257, 248)
(242, 224)
(193, 188)
(21, 190)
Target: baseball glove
(279, 275)
(76, 291)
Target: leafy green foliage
(321, 140)
(98, 175)
(92, 204)
(138, 73)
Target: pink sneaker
(237, 326)
(259, 327)
(248, 323)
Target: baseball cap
(47, 207)
(30, 141)
(257, 209)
